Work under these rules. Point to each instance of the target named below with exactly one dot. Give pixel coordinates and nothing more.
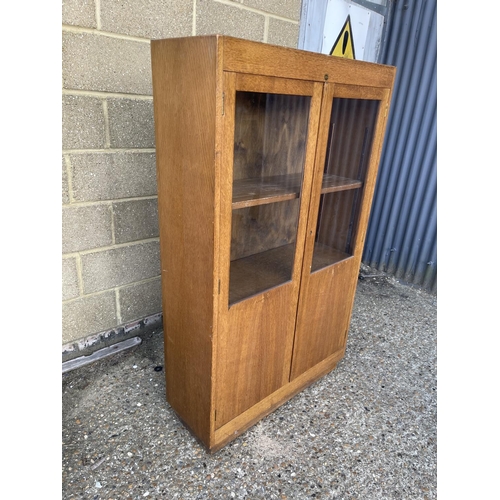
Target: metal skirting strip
(102, 353)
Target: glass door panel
(269, 153)
(352, 127)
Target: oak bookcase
(266, 164)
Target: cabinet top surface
(246, 56)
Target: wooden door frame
(287, 293)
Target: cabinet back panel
(350, 138)
(352, 126)
(263, 227)
(337, 220)
(270, 134)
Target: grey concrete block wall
(79, 13)
(110, 237)
(136, 220)
(112, 175)
(91, 313)
(213, 17)
(131, 123)
(86, 227)
(96, 62)
(283, 8)
(111, 268)
(83, 124)
(140, 299)
(65, 186)
(148, 19)
(283, 33)
(70, 279)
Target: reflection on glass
(350, 139)
(269, 152)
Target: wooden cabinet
(266, 164)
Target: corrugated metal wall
(402, 232)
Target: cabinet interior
(351, 132)
(269, 150)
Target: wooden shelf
(324, 256)
(256, 273)
(332, 183)
(259, 272)
(263, 190)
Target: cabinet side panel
(184, 89)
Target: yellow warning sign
(344, 46)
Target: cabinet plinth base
(247, 419)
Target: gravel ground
(366, 431)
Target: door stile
(321, 332)
(275, 308)
(369, 188)
(320, 156)
(312, 215)
(307, 187)
(226, 182)
(219, 144)
(382, 95)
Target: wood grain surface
(266, 164)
